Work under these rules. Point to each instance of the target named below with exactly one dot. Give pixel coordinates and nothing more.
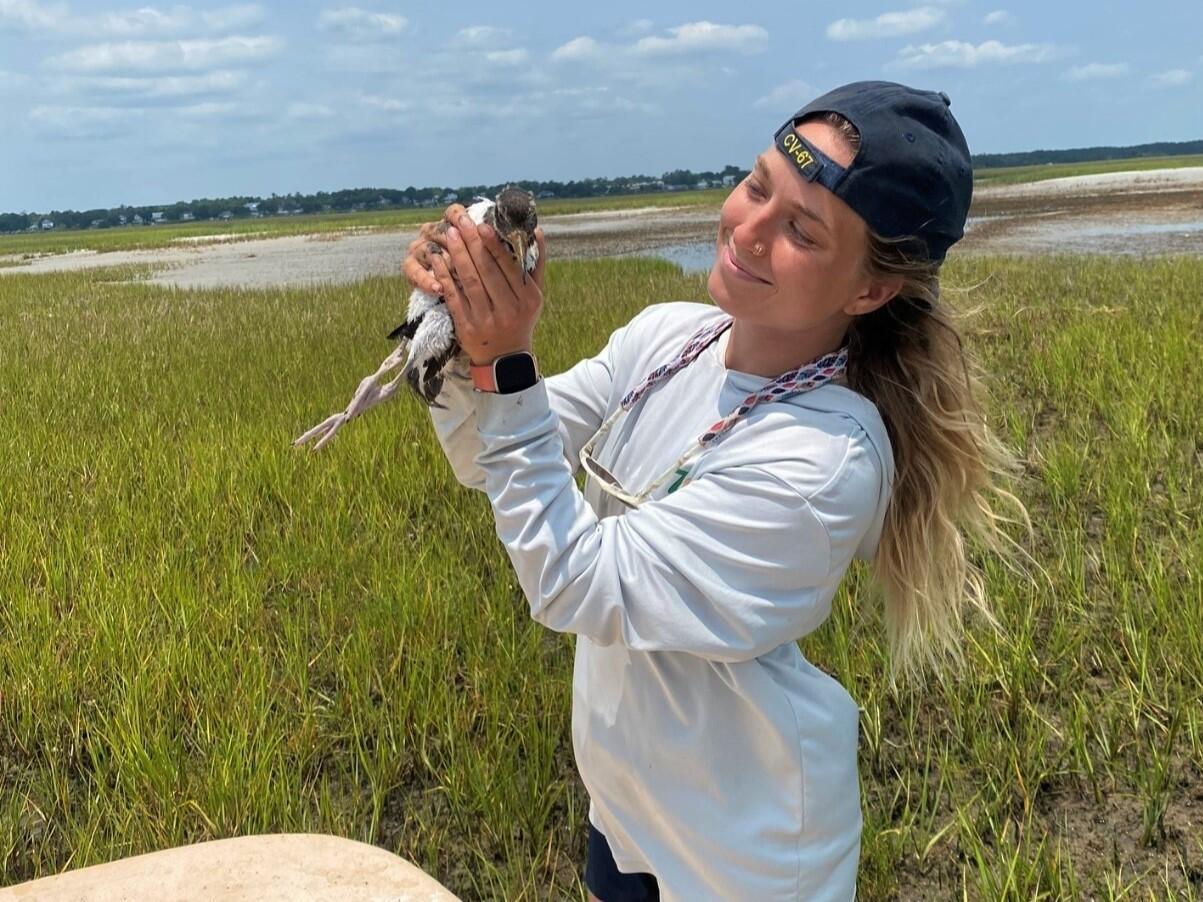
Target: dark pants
(610, 884)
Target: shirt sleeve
(578, 397)
(731, 566)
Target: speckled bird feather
(426, 350)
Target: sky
(104, 104)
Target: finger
(420, 277)
(438, 231)
(495, 287)
(502, 258)
(432, 231)
(464, 265)
(416, 267)
(457, 303)
(541, 263)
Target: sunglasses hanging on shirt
(795, 382)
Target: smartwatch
(507, 374)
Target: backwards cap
(911, 175)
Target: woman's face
(809, 274)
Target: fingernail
(453, 232)
(436, 288)
(487, 231)
(463, 221)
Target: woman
(821, 409)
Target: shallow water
(1153, 228)
(692, 257)
(1033, 234)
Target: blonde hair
(907, 357)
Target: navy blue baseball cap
(911, 175)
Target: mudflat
(1140, 213)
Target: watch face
(515, 372)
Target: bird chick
(427, 344)
(428, 327)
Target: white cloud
(682, 41)
(12, 79)
(233, 17)
(32, 14)
(791, 94)
(166, 55)
(998, 17)
(639, 26)
(367, 58)
(215, 110)
(588, 101)
(357, 24)
(966, 56)
(146, 20)
(302, 110)
(84, 122)
(1171, 78)
(578, 48)
(1092, 71)
(384, 104)
(699, 36)
(887, 25)
(480, 36)
(507, 57)
(163, 88)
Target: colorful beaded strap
(795, 382)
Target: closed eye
(799, 236)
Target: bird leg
(367, 395)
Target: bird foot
(368, 394)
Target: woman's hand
(493, 304)
(431, 240)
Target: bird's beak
(517, 240)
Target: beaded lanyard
(809, 376)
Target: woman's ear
(874, 295)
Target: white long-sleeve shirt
(716, 757)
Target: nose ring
(758, 249)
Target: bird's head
(515, 220)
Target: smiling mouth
(735, 262)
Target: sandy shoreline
(1132, 182)
(1151, 212)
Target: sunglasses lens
(607, 481)
(601, 473)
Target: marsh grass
(206, 633)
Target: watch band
(485, 378)
(482, 377)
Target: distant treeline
(1086, 154)
(358, 199)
